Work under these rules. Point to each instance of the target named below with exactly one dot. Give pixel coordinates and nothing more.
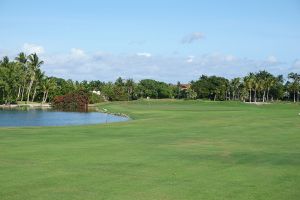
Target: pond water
(49, 117)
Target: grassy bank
(170, 150)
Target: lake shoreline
(34, 105)
(48, 106)
(30, 105)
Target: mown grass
(170, 150)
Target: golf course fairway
(169, 150)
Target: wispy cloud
(78, 64)
(144, 54)
(33, 48)
(107, 66)
(295, 66)
(190, 59)
(272, 59)
(193, 37)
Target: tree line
(261, 86)
(23, 80)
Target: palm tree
(129, 85)
(178, 89)
(257, 87)
(270, 82)
(47, 85)
(10, 73)
(294, 86)
(22, 59)
(38, 81)
(34, 64)
(244, 94)
(226, 89)
(5, 61)
(235, 84)
(249, 83)
(261, 88)
(263, 77)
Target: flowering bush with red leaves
(75, 101)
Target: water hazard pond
(49, 117)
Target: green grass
(171, 150)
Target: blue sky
(165, 40)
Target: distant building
(185, 86)
(96, 92)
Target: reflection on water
(50, 117)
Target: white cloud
(230, 58)
(193, 37)
(190, 59)
(78, 53)
(107, 66)
(33, 48)
(272, 60)
(144, 54)
(295, 66)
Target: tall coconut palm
(22, 59)
(263, 77)
(270, 82)
(261, 88)
(47, 85)
(294, 86)
(178, 89)
(249, 83)
(235, 84)
(129, 84)
(34, 64)
(5, 61)
(257, 84)
(262, 83)
(38, 81)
